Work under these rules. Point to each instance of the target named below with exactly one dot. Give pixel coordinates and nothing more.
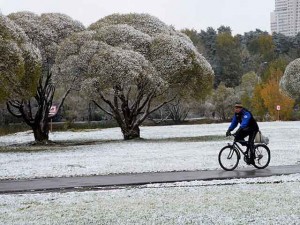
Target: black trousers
(242, 133)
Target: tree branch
(10, 104)
(147, 112)
(104, 110)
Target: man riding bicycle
(248, 126)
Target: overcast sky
(241, 15)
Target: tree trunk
(41, 132)
(36, 114)
(131, 133)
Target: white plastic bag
(260, 138)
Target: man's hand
(228, 133)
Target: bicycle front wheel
(228, 158)
(262, 156)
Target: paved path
(111, 181)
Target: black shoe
(247, 160)
(251, 161)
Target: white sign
(278, 107)
(53, 110)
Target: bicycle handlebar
(234, 134)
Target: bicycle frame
(237, 147)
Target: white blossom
(290, 82)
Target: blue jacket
(245, 118)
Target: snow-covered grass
(159, 151)
(272, 200)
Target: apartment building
(286, 17)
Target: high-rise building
(286, 17)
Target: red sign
(53, 110)
(278, 107)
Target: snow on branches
(167, 52)
(19, 61)
(290, 82)
(10, 30)
(143, 22)
(46, 31)
(173, 55)
(125, 37)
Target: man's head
(238, 107)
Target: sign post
(52, 112)
(278, 109)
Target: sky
(241, 15)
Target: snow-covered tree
(45, 32)
(126, 62)
(290, 81)
(19, 62)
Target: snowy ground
(158, 152)
(273, 200)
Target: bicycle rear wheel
(262, 156)
(228, 158)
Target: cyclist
(248, 127)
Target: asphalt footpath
(61, 184)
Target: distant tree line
(248, 68)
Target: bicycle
(230, 155)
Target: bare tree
(177, 110)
